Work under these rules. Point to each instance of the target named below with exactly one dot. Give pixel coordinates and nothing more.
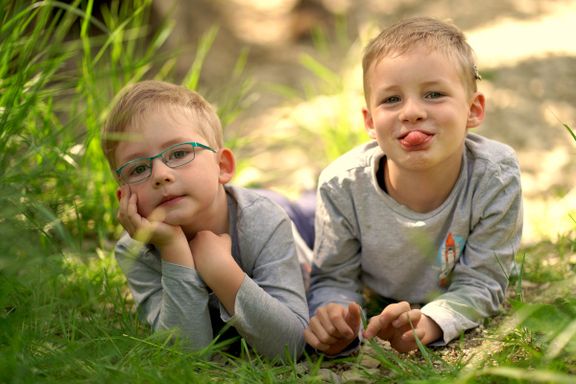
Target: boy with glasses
(199, 254)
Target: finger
(123, 211)
(344, 322)
(314, 342)
(410, 318)
(141, 229)
(379, 325)
(413, 334)
(354, 316)
(375, 325)
(383, 321)
(320, 333)
(396, 309)
(132, 215)
(332, 319)
(132, 205)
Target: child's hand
(395, 324)
(214, 262)
(151, 229)
(212, 255)
(333, 327)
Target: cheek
(383, 122)
(384, 129)
(143, 204)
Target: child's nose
(412, 110)
(161, 173)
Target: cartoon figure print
(448, 254)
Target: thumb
(354, 317)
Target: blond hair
(431, 33)
(152, 96)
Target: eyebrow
(141, 154)
(394, 87)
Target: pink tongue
(415, 138)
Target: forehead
(419, 62)
(163, 121)
(154, 130)
(427, 59)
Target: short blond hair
(434, 34)
(150, 96)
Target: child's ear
(368, 123)
(227, 165)
(119, 193)
(477, 111)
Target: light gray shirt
(270, 308)
(455, 259)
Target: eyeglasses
(177, 155)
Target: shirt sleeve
(270, 308)
(480, 278)
(169, 296)
(336, 268)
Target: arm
(215, 264)
(336, 268)
(335, 280)
(164, 291)
(167, 295)
(270, 307)
(480, 277)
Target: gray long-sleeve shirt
(456, 259)
(270, 309)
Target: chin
(174, 221)
(180, 220)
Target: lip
(170, 200)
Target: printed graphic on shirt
(448, 254)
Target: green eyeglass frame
(129, 174)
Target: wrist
(432, 330)
(227, 284)
(176, 252)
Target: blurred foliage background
(303, 65)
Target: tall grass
(325, 109)
(65, 312)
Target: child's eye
(391, 100)
(138, 169)
(179, 154)
(433, 95)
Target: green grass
(65, 311)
